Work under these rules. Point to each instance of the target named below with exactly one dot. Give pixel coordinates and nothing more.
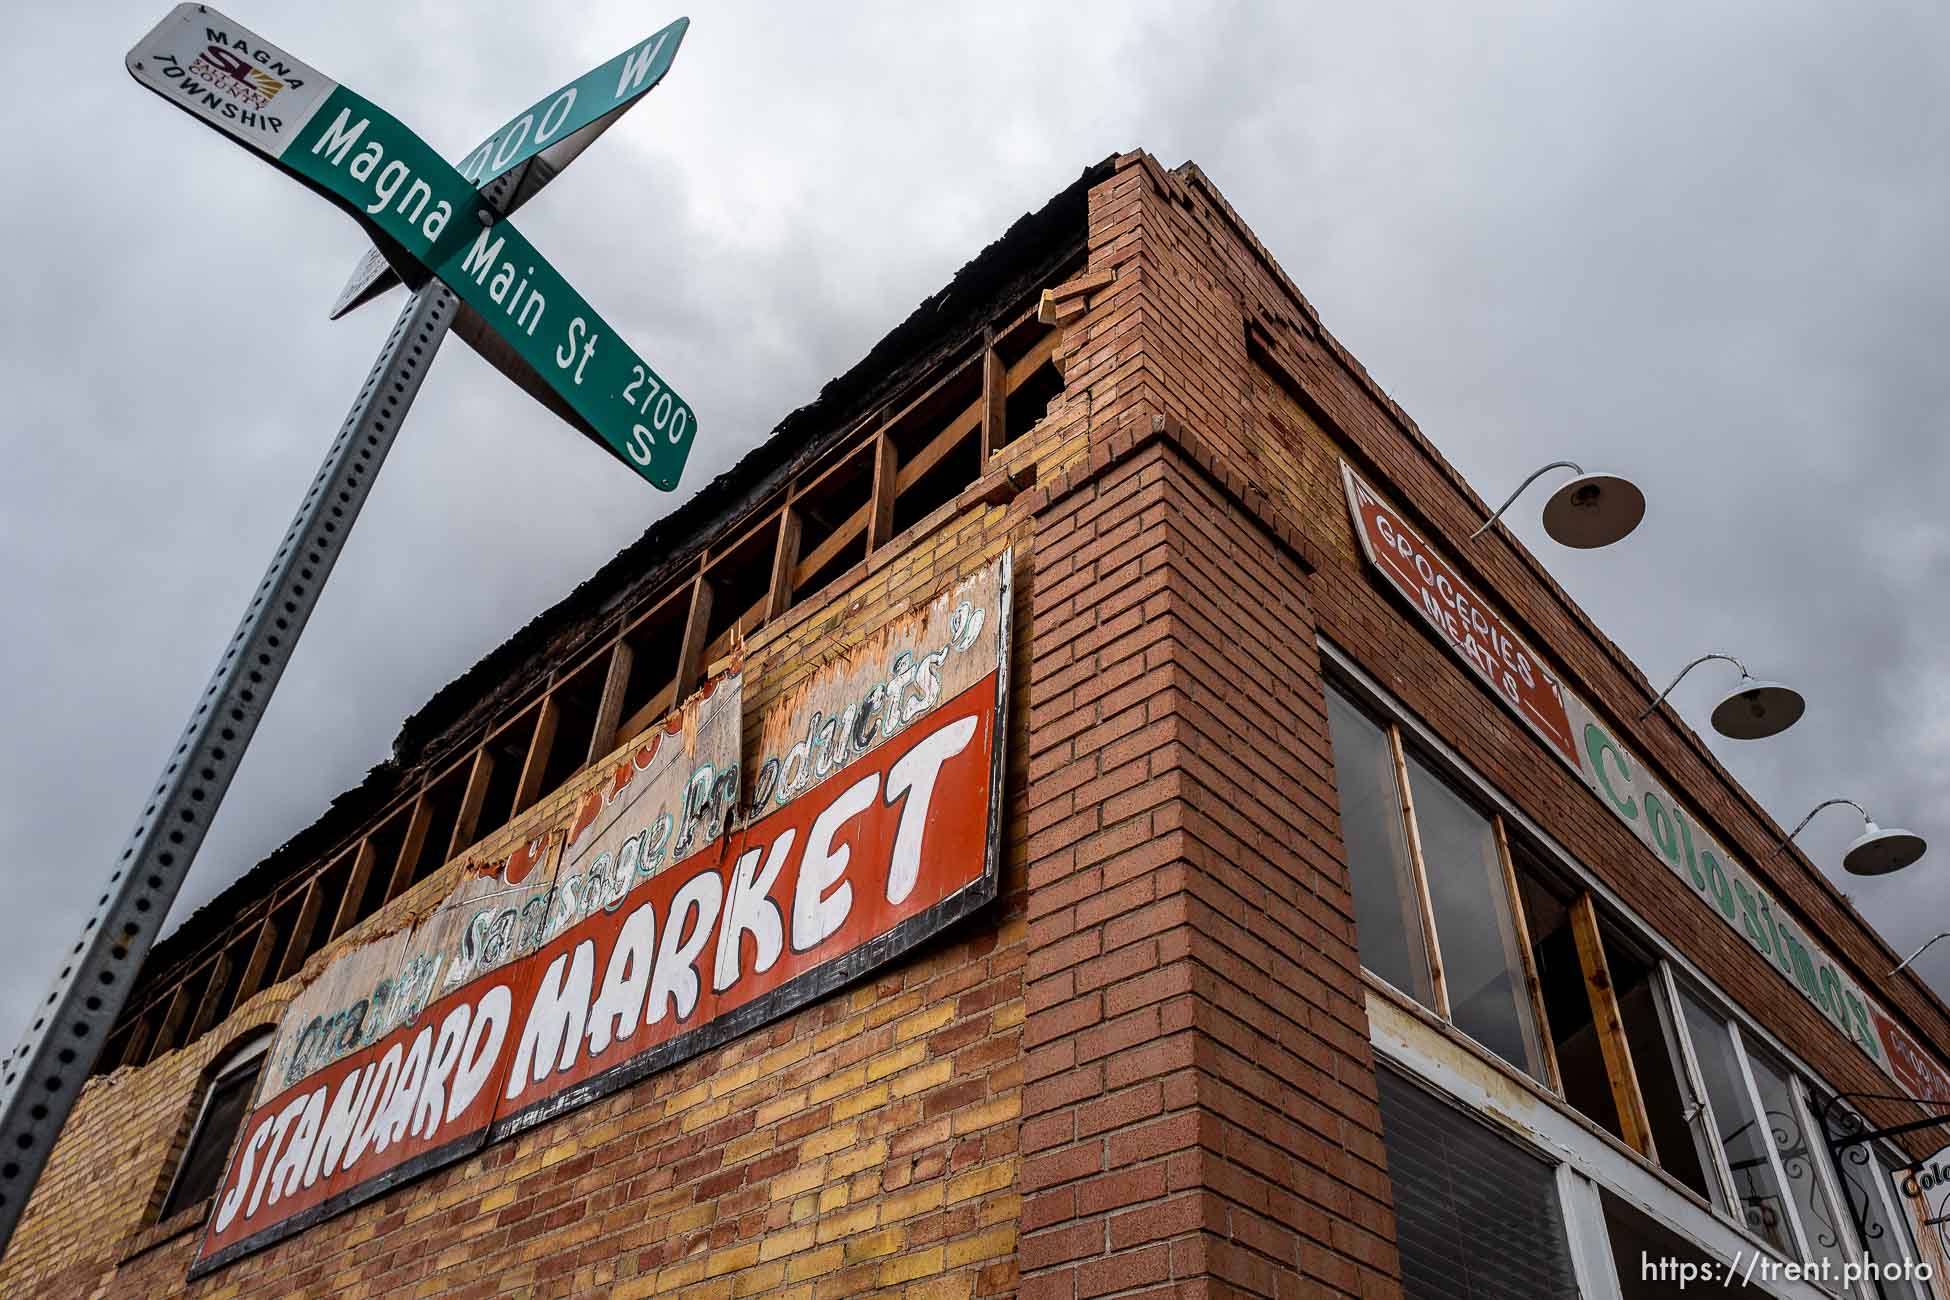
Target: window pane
(1387, 916)
(1567, 1009)
(1740, 1134)
(1862, 1176)
(1476, 1216)
(209, 1147)
(1475, 929)
(1792, 1133)
(1657, 1068)
(1648, 1256)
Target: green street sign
(412, 200)
(552, 131)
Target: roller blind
(1477, 1217)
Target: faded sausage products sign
(664, 916)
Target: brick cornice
(1108, 452)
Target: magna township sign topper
(430, 219)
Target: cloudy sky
(1701, 245)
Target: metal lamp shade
(1877, 852)
(1755, 710)
(1593, 510)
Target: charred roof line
(943, 323)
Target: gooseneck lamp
(1919, 952)
(1875, 852)
(1588, 511)
(1753, 710)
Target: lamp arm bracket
(1658, 699)
(1511, 499)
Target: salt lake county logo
(238, 76)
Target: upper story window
(226, 1100)
(1434, 914)
(1455, 912)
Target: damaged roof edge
(1032, 246)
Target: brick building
(1179, 861)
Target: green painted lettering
(1596, 745)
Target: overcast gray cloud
(1702, 247)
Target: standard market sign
(1572, 730)
(410, 199)
(656, 910)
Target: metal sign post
(41, 1081)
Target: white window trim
(1515, 1107)
(1377, 698)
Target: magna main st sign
(419, 206)
(650, 912)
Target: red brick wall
(865, 1143)
(1200, 1108)
(1232, 350)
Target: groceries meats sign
(1571, 729)
(664, 906)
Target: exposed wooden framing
(886, 479)
(259, 961)
(816, 483)
(761, 521)
(298, 946)
(1527, 955)
(172, 1020)
(275, 956)
(140, 1031)
(752, 618)
(609, 708)
(1043, 349)
(681, 592)
(206, 1006)
(953, 374)
(839, 540)
(785, 563)
(540, 741)
(347, 915)
(653, 708)
(402, 866)
(995, 399)
(1610, 1027)
(468, 819)
(1419, 869)
(938, 446)
(690, 658)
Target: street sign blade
(550, 132)
(371, 276)
(370, 164)
(378, 270)
(553, 123)
(478, 334)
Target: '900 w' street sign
(393, 183)
(552, 132)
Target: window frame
(1345, 674)
(1342, 670)
(1530, 1000)
(248, 1053)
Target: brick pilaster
(1199, 1107)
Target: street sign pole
(263, 97)
(41, 1081)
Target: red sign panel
(882, 853)
(1910, 1064)
(1477, 634)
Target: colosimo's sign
(661, 916)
